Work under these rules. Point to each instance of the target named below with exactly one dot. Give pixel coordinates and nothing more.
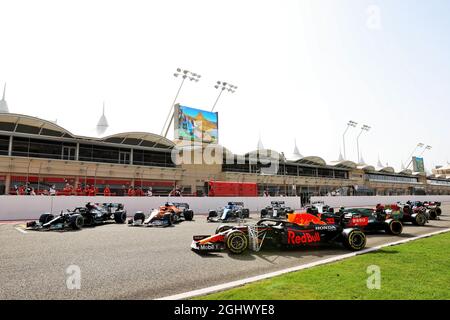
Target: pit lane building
(43, 153)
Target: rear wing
(236, 203)
(277, 202)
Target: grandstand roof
(144, 139)
(312, 160)
(32, 125)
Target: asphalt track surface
(122, 262)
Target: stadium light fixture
(425, 149)
(419, 145)
(222, 86)
(363, 128)
(184, 75)
(351, 124)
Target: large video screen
(196, 125)
(418, 165)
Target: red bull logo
(302, 238)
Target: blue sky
(303, 69)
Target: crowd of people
(90, 190)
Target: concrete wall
(31, 207)
(374, 200)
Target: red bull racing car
(300, 230)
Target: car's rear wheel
(394, 227)
(419, 219)
(120, 217)
(76, 221)
(355, 240)
(46, 217)
(212, 214)
(188, 215)
(139, 216)
(263, 213)
(236, 242)
(438, 211)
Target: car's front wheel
(236, 242)
(139, 216)
(188, 215)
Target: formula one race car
(434, 209)
(90, 215)
(232, 212)
(276, 210)
(412, 212)
(378, 219)
(301, 230)
(164, 216)
(319, 207)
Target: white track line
(237, 283)
(21, 230)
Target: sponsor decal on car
(325, 228)
(358, 221)
(302, 238)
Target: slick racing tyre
(174, 217)
(236, 242)
(438, 211)
(46, 217)
(169, 218)
(245, 213)
(76, 221)
(188, 215)
(120, 217)
(419, 219)
(223, 228)
(139, 216)
(354, 240)
(212, 214)
(432, 214)
(263, 213)
(394, 227)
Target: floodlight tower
(183, 74)
(363, 128)
(222, 86)
(352, 124)
(419, 145)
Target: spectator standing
(92, 191)
(52, 190)
(107, 191)
(67, 189)
(139, 192)
(28, 189)
(123, 191)
(86, 189)
(131, 191)
(79, 190)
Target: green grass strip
(416, 270)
